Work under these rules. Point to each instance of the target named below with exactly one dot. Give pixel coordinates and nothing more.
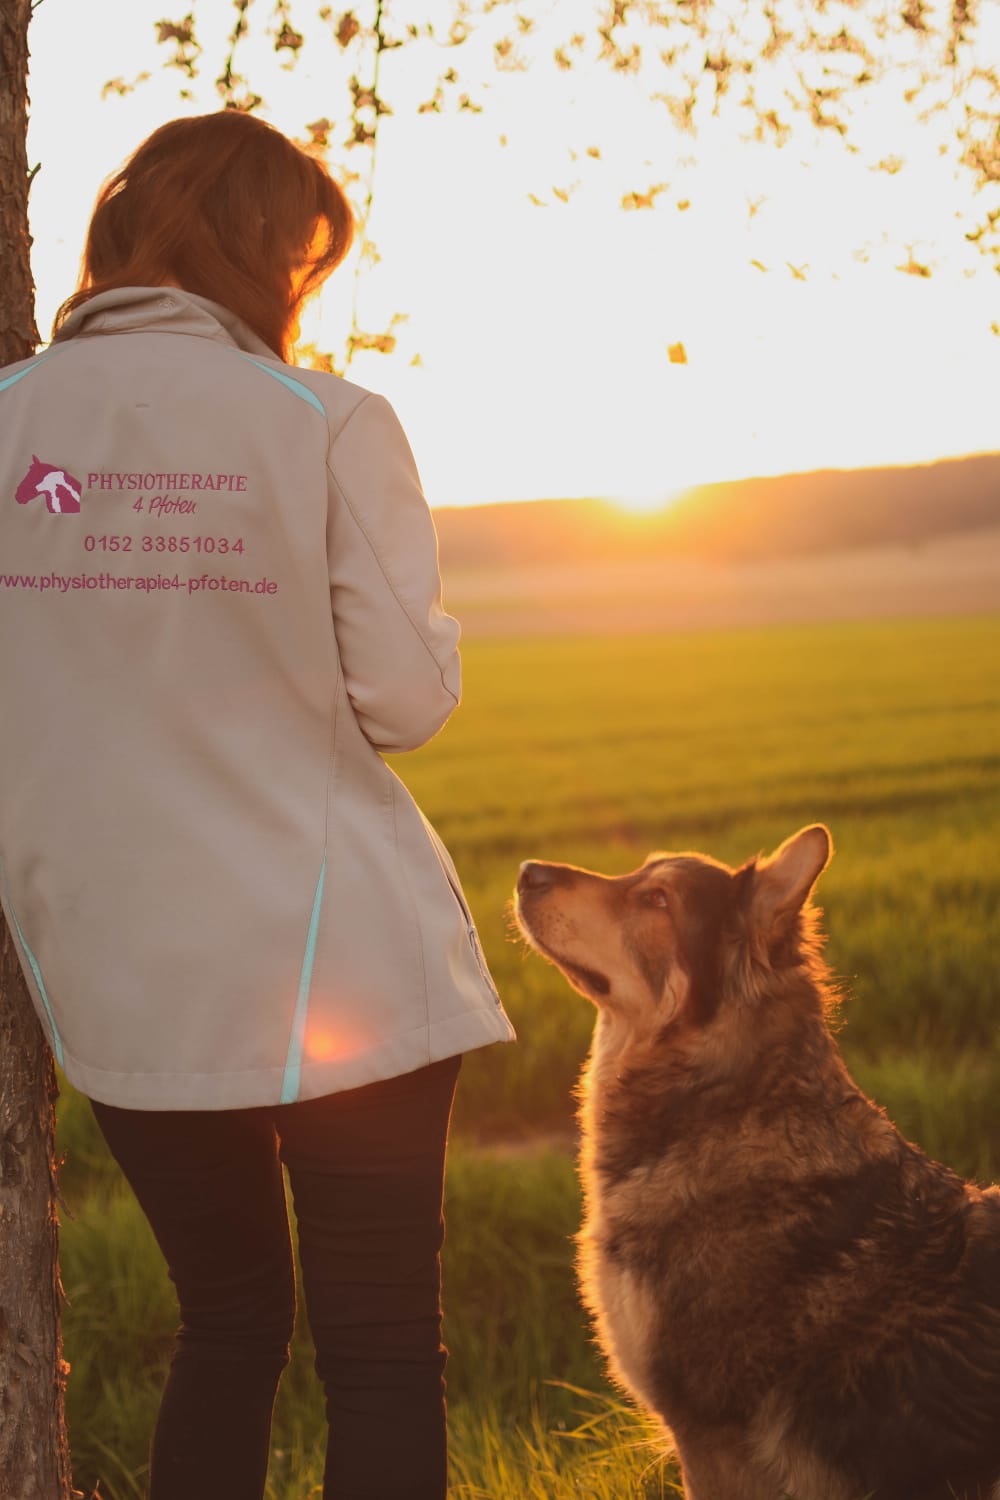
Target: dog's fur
(809, 1303)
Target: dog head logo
(62, 492)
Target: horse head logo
(62, 492)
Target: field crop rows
(595, 751)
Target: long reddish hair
(228, 208)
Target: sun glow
(641, 503)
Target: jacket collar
(161, 309)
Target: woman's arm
(398, 648)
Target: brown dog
(809, 1303)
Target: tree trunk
(18, 334)
(34, 1454)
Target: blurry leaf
(506, 57)
(367, 98)
(681, 110)
(187, 50)
(975, 235)
(288, 39)
(914, 14)
(378, 343)
(646, 199)
(914, 268)
(759, 265)
(176, 31)
(244, 104)
(347, 28)
(319, 131)
(311, 357)
(683, 204)
(121, 87)
(362, 134)
(677, 354)
(799, 272)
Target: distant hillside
(830, 510)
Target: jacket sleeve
(398, 648)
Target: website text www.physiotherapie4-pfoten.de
(141, 583)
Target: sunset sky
(534, 359)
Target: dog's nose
(535, 876)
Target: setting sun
(639, 504)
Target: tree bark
(34, 1453)
(18, 334)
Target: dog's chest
(629, 1319)
(625, 1278)
(660, 1295)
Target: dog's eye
(655, 897)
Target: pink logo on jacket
(62, 492)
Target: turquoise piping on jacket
(295, 386)
(293, 1066)
(13, 379)
(33, 961)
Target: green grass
(596, 751)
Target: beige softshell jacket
(219, 600)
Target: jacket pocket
(451, 875)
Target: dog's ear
(782, 883)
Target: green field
(597, 750)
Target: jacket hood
(161, 309)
